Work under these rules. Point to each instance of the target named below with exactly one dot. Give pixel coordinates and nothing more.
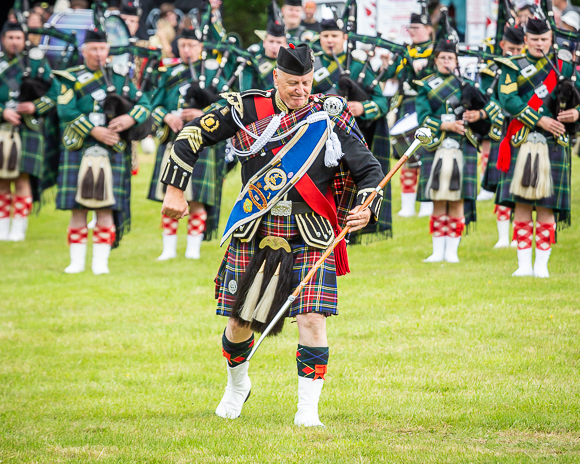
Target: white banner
(393, 17)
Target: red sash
(320, 204)
(504, 158)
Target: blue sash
(275, 179)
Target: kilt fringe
(367, 239)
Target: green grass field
(430, 363)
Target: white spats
(193, 250)
(18, 229)
(78, 257)
(451, 247)
(503, 231)
(541, 263)
(524, 263)
(438, 250)
(308, 396)
(426, 209)
(408, 204)
(169, 247)
(4, 229)
(485, 195)
(237, 392)
(101, 252)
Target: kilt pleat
(560, 160)
(320, 295)
(492, 174)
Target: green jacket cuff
(529, 117)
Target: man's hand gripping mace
(422, 137)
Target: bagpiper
(403, 103)
(293, 12)
(449, 170)
(332, 75)
(95, 166)
(511, 45)
(180, 98)
(535, 154)
(298, 151)
(28, 92)
(266, 54)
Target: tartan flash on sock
(312, 362)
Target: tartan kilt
(492, 174)
(320, 295)
(206, 183)
(67, 180)
(383, 228)
(469, 187)
(32, 158)
(561, 166)
(52, 137)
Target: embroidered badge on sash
(209, 123)
(248, 205)
(275, 179)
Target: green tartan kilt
(469, 187)
(560, 160)
(32, 158)
(52, 138)
(68, 173)
(206, 183)
(383, 228)
(492, 174)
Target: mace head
(424, 135)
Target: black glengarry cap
(423, 19)
(95, 35)
(297, 60)
(275, 29)
(537, 26)
(514, 35)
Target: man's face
(524, 15)
(294, 90)
(419, 33)
(95, 54)
(34, 21)
(510, 49)
(292, 16)
(189, 50)
(539, 43)
(272, 45)
(309, 10)
(332, 40)
(132, 23)
(13, 42)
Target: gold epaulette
(508, 62)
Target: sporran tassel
(253, 296)
(263, 308)
(535, 172)
(100, 193)
(87, 186)
(527, 175)
(13, 157)
(455, 182)
(437, 174)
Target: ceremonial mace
(422, 137)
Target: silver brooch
(233, 287)
(333, 106)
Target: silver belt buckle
(98, 119)
(448, 118)
(536, 137)
(450, 143)
(96, 150)
(282, 208)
